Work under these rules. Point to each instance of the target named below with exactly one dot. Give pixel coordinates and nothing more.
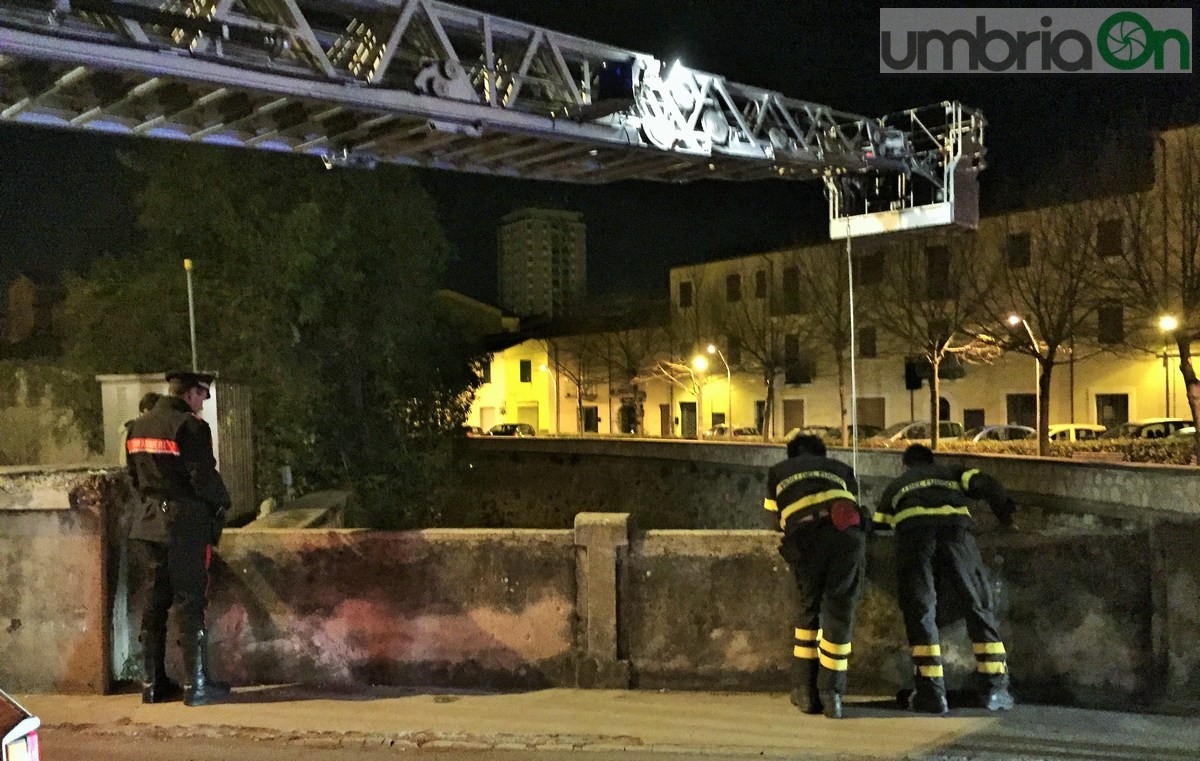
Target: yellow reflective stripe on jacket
(769, 505)
(988, 648)
(913, 512)
(813, 499)
(927, 651)
(924, 484)
(821, 475)
(967, 476)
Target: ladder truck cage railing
(427, 83)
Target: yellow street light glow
(700, 363)
(1167, 323)
(542, 368)
(712, 349)
(1014, 320)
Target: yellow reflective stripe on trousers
(812, 634)
(927, 651)
(929, 671)
(835, 649)
(991, 667)
(769, 505)
(809, 653)
(967, 476)
(834, 664)
(813, 499)
(988, 648)
(912, 512)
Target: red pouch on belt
(844, 514)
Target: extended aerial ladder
(426, 83)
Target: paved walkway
(692, 723)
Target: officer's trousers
(176, 572)
(947, 556)
(829, 566)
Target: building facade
(543, 262)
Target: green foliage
(1174, 451)
(316, 289)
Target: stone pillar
(600, 539)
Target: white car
(1008, 432)
(916, 430)
(1075, 431)
(1151, 428)
(18, 731)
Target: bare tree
(630, 354)
(578, 358)
(824, 275)
(1048, 284)
(929, 302)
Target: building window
(1016, 250)
(486, 371)
(734, 351)
(526, 371)
(797, 369)
(1108, 239)
(733, 288)
(1112, 409)
(937, 273)
(791, 290)
(1112, 324)
(866, 343)
(868, 268)
(760, 284)
(685, 294)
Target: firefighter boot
(831, 705)
(994, 694)
(156, 686)
(201, 689)
(929, 695)
(804, 685)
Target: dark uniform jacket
(939, 495)
(804, 488)
(170, 460)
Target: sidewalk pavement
(763, 725)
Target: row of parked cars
(915, 430)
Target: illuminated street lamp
(1015, 320)
(1168, 324)
(553, 380)
(712, 349)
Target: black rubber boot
(202, 689)
(831, 704)
(994, 694)
(804, 685)
(929, 696)
(156, 686)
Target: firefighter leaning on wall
(812, 499)
(928, 508)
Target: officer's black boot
(831, 704)
(804, 685)
(156, 687)
(994, 694)
(201, 689)
(929, 695)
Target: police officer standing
(928, 507)
(813, 500)
(182, 511)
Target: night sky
(65, 197)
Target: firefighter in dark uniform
(928, 508)
(813, 500)
(182, 511)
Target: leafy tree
(316, 288)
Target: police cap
(182, 380)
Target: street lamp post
(1168, 324)
(553, 380)
(712, 349)
(1014, 320)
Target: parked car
(916, 430)
(18, 731)
(473, 430)
(512, 429)
(1152, 428)
(1075, 431)
(1187, 430)
(722, 431)
(1006, 432)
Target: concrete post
(600, 539)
